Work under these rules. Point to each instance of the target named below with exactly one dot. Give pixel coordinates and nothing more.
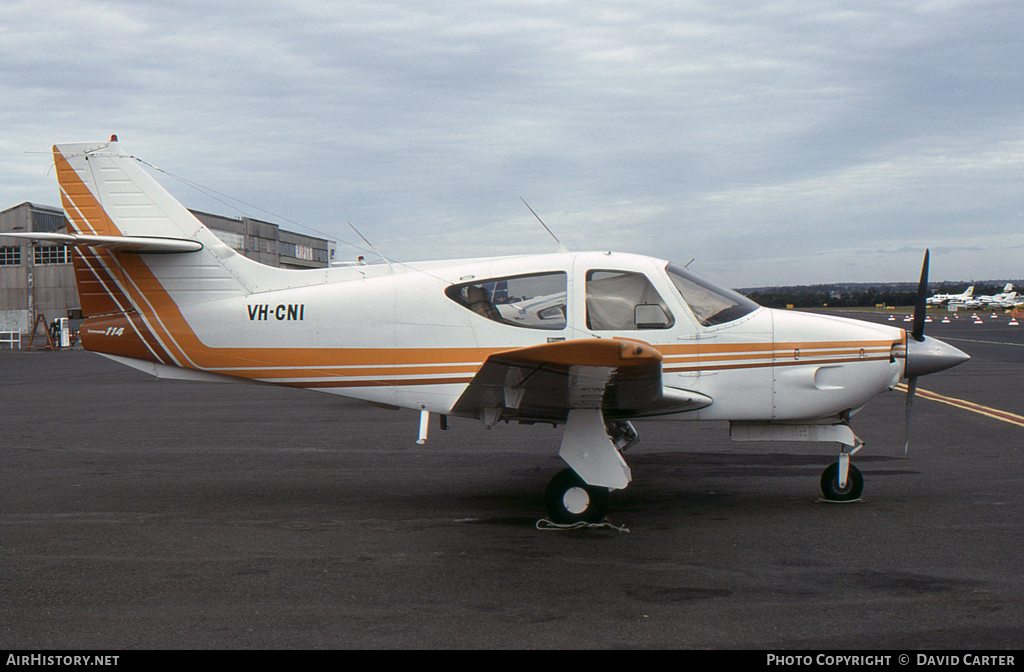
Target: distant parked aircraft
(1005, 299)
(940, 299)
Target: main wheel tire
(570, 500)
(830, 489)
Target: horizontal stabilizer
(136, 244)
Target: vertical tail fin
(135, 300)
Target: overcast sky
(790, 142)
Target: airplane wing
(542, 383)
(137, 244)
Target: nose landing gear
(833, 492)
(841, 481)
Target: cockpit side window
(534, 301)
(621, 300)
(710, 303)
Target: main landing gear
(592, 448)
(570, 500)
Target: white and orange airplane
(587, 340)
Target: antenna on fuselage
(388, 261)
(561, 247)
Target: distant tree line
(862, 295)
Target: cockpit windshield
(710, 303)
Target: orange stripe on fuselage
(783, 351)
(769, 347)
(773, 364)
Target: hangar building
(38, 279)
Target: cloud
(758, 137)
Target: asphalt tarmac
(141, 514)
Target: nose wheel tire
(830, 489)
(570, 500)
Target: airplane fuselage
(392, 335)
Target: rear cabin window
(624, 301)
(534, 301)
